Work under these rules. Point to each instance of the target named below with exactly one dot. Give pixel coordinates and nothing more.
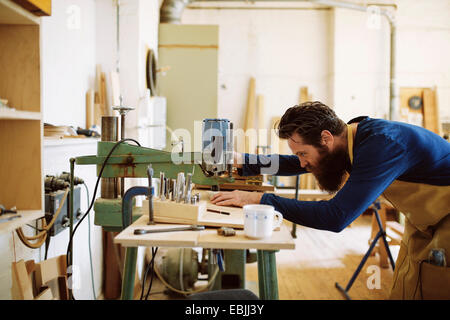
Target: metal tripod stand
(381, 234)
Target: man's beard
(331, 170)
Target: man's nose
(303, 162)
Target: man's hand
(236, 198)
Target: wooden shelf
(26, 217)
(20, 129)
(19, 115)
(12, 13)
(57, 142)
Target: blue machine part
(217, 145)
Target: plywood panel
(191, 84)
(20, 164)
(20, 67)
(431, 111)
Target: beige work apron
(427, 226)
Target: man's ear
(327, 138)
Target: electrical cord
(204, 288)
(153, 272)
(93, 197)
(144, 278)
(89, 243)
(47, 245)
(42, 235)
(147, 269)
(26, 241)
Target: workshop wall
(68, 61)
(138, 33)
(282, 49)
(342, 59)
(424, 48)
(360, 71)
(361, 57)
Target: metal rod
(122, 136)
(363, 261)
(383, 233)
(150, 194)
(162, 186)
(394, 91)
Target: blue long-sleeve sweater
(383, 151)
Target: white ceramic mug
(259, 220)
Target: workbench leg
(267, 275)
(129, 273)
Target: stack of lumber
(97, 100)
(59, 132)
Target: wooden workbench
(208, 238)
(303, 194)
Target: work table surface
(208, 238)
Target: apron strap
(350, 142)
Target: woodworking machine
(211, 167)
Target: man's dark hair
(308, 120)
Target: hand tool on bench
(188, 228)
(218, 211)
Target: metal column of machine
(123, 110)
(109, 186)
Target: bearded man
(359, 161)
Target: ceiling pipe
(171, 11)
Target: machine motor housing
(53, 201)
